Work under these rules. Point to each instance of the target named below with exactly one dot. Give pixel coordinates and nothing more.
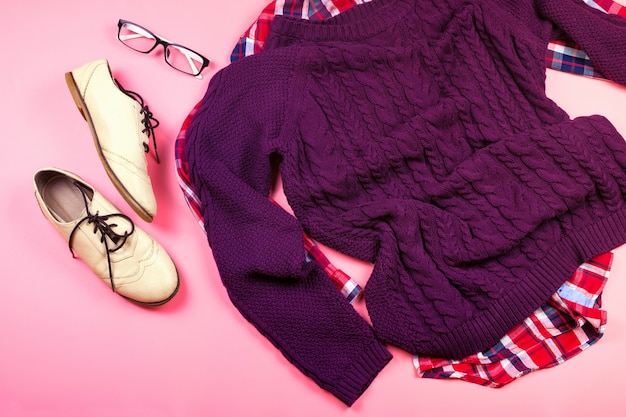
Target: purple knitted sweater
(416, 135)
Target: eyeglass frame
(165, 43)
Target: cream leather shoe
(122, 255)
(121, 126)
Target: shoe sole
(82, 108)
(156, 303)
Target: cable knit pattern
(415, 135)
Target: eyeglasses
(177, 56)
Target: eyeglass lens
(177, 56)
(136, 37)
(183, 59)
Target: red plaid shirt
(567, 324)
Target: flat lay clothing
(570, 322)
(562, 55)
(460, 257)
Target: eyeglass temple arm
(134, 36)
(190, 60)
(191, 63)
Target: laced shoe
(122, 255)
(121, 126)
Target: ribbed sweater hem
(558, 264)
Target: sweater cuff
(361, 373)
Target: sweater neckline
(360, 21)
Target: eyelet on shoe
(149, 121)
(105, 229)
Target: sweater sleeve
(602, 36)
(258, 247)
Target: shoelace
(101, 225)
(148, 121)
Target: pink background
(70, 347)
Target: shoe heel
(71, 84)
